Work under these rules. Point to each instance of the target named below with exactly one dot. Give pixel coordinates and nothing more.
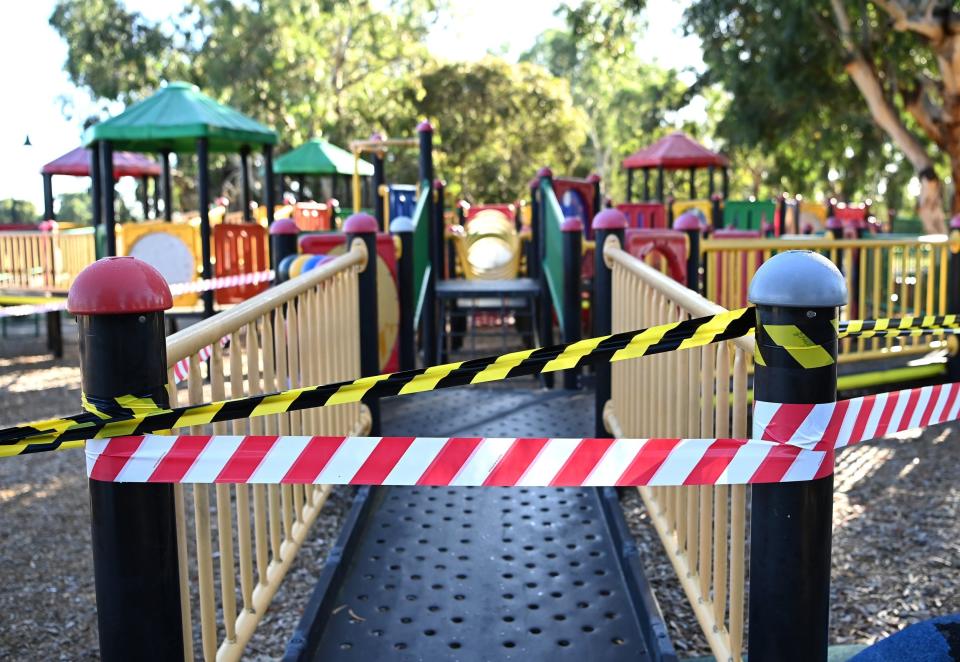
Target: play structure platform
(424, 573)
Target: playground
(443, 378)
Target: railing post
(363, 227)
(430, 331)
(402, 228)
(545, 317)
(533, 246)
(283, 242)
(689, 224)
(953, 294)
(797, 294)
(572, 229)
(119, 304)
(609, 227)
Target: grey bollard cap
(401, 224)
(798, 279)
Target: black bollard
(119, 304)
(797, 294)
(283, 242)
(689, 224)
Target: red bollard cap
(571, 224)
(544, 172)
(609, 219)
(834, 223)
(955, 222)
(284, 226)
(593, 178)
(360, 223)
(424, 127)
(118, 286)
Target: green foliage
(18, 211)
(792, 106)
(626, 101)
(75, 207)
(497, 124)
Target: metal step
(443, 573)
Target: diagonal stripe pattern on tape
(887, 327)
(528, 462)
(47, 435)
(835, 425)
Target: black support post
(572, 229)
(245, 183)
(630, 185)
(363, 227)
(660, 182)
(156, 197)
(646, 185)
(402, 228)
(693, 183)
(268, 184)
(48, 197)
(283, 242)
(608, 223)
(203, 190)
(594, 180)
(145, 196)
(119, 303)
(533, 246)
(379, 186)
(439, 194)
(95, 194)
(689, 224)
(790, 530)
(725, 184)
(953, 294)
(545, 305)
(107, 198)
(430, 330)
(711, 188)
(167, 187)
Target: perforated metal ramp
(484, 573)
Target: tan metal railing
(234, 555)
(885, 277)
(696, 393)
(41, 261)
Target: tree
(828, 85)
(497, 124)
(625, 101)
(18, 211)
(75, 207)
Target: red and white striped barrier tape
(181, 369)
(834, 425)
(222, 282)
(454, 461)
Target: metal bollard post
(363, 227)
(402, 228)
(953, 296)
(797, 294)
(119, 304)
(283, 242)
(572, 229)
(609, 227)
(689, 224)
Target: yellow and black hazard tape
(106, 421)
(886, 327)
(788, 344)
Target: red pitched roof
(678, 150)
(125, 164)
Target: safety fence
(233, 553)
(894, 277)
(701, 392)
(43, 261)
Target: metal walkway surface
(484, 573)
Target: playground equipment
(676, 151)
(378, 146)
(487, 244)
(179, 118)
(77, 162)
(329, 165)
